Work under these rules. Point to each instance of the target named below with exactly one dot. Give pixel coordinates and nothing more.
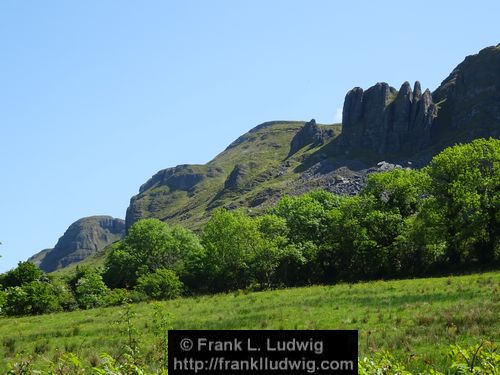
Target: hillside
(82, 239)
(416, 320)
(382, 128)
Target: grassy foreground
(416, 320)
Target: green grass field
(416, 320)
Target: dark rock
(83, 238)
(310, 134)
(470, 97)
(182, 177)
(383, 120)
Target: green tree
(161, 284)
(399, 189)
(31, 298)
(359, 240)
(230, 239)
(24, 273)
(465, 181)
(149, 245)
(306, 215)
(90, 290)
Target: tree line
(404, 223)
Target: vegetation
(415, 320)
(405, 223)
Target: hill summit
(382, 128)
(83, 238)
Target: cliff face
(469, 98)
(405, 127)
(83, 238)
(384, 120)
(465, 106)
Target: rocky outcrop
(469, 98)
(182, 177)
(83, 238)
(156, 193)
(384, 120)
(310, 135)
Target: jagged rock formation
(384, 120)
(403, 127)
(469, 99)
(310, 135)
(382, 129)
(83, 238)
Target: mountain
(382, 128)
(83, 238)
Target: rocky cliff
(382, 128)
(384, 120)
(469, 98)
(83, 238)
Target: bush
(90, 290)
(24, 273)
(149, 245)
(3, 298)
(116, 297)
(33, 298)
(161, 284)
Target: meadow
(416, 320)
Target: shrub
(161, 284)
(33, 298)
(90, 290)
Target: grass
(416, 320)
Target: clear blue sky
(96, 96)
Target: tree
(35, 297)
(307, 215)
(90, 290)
(230, 239)
(24, 273)
(150, 244)
(399, 189)
(161, 284)
(359, 240)
(465, 181)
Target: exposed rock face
(182, 177)
(309, 135)
(156, 192)
(384, 120)
(83, 238)
(469, 99)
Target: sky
(97, 96)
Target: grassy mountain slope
(292, 157)
(252, 172)
(414, 319)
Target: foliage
(399, 189)
(306, 216)
(24, 273)
(160, 284)
(150, 244)
(90, 290)
(116, 297)
(31, 298)
(230, 240)
(465, 184)
(478, 359)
